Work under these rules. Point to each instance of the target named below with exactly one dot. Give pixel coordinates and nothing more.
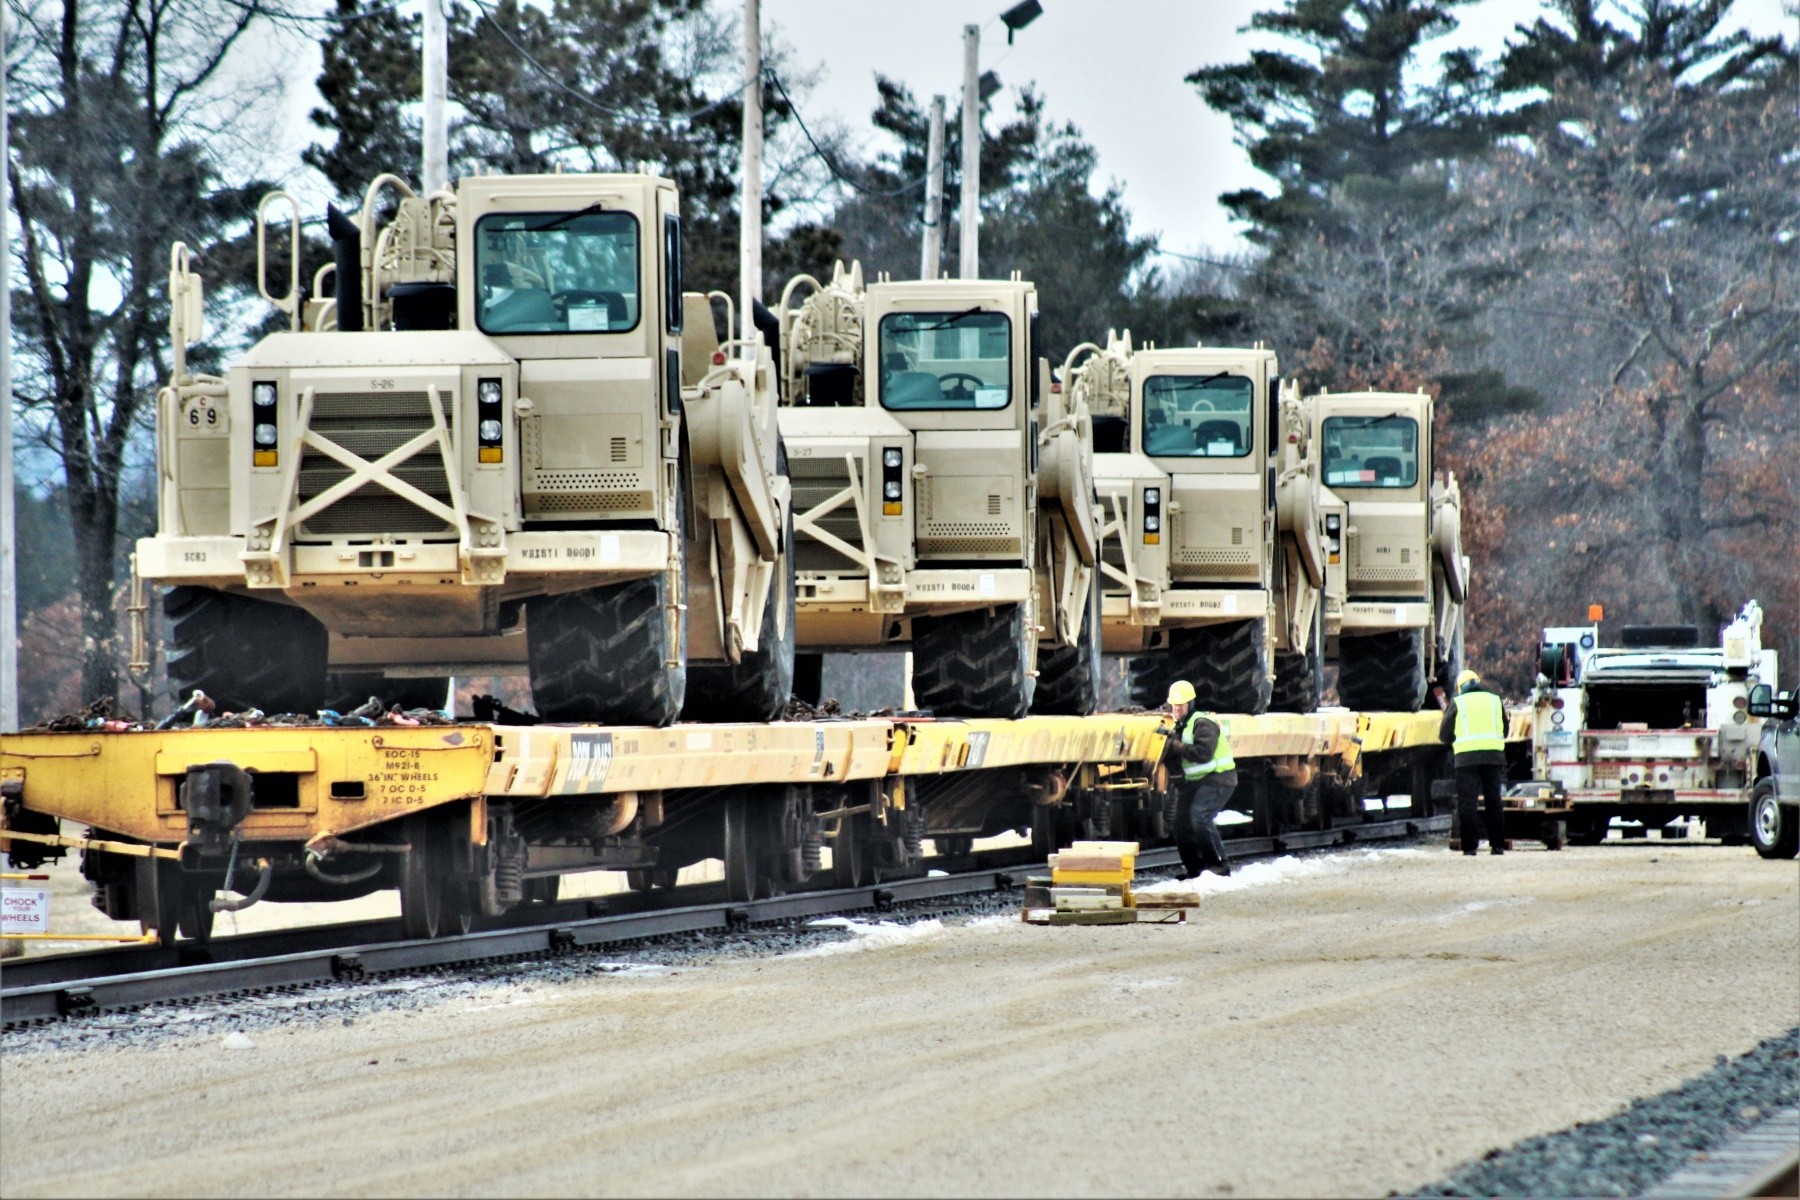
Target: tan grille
(619, 451)
(587, 481)
(589, 502)
(993, 505)
(1386, 574)
(1212, 557)
(957, 529)
(371, 424)
(1237, 535)
(929, 546)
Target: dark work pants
(1198, 836)
(1472, 783)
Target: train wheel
(850, 854)
(421, 894)
(745, 850)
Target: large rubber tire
(1300, 676)
(1296, 687)
(348, 691)
(759, 685)
(1382, 672)
(1227, 664)
(244, 653)
(1774, 827)
(1068, 682)
(972, 664)
(1148, 679)
(603, 654)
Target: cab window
(1197, 416)
(1371, 452)
(946, 360)
(557, 272)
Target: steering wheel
(959, 392)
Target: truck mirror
(1786, 706)
(1761, 697)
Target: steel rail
(339, 954)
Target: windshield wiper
(565, 218)
(950, 320)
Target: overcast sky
(1113, 67)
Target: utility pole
(9, 575)
(934, 193)
(435, 135)
(971, 152)
(750, 208)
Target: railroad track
(55, 987)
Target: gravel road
(1351, 1028)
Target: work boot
(1191, 862)
(1221, 867)
(1496, 851)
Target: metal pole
(971, 152)
(934, 193)
(9, 579)
(435, 137)
(750, 208)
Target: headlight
(891, 457)
(488, 430)
(264, 424)
(1152, 523)
(891, 490)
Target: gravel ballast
(1650, 1139)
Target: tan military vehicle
(1212, 542)
(1397, 579)
(938, 505)
(507, 442)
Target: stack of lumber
(1090, 884)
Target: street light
(1019, 16)
(977, 87)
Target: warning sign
(24, 910)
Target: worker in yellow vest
(1208, 778)
(1474, 727)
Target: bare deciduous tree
(117, 104)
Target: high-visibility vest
(1221, 759)
(1480, 723)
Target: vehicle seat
(1385, 467)
(1220, 431)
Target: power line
(1211, 262)
(616, 113)
(258, 9)
(825, 158)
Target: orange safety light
(1596, 613)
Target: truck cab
(1394, 617)
(1212, 548)
(478, 449)
(910, 414)
(1655, 727)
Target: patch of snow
(1264, 873)
(869, 935)
(1231, 816)
(237, 1041)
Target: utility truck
(1654, 728)
(942, 503)
(497, 438)
(1396, 580)
(1213, 548)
